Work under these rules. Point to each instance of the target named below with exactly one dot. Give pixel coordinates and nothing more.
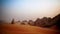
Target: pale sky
(29, 9)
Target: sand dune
(25, 29)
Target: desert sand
(25, 29)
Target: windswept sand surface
(25, 29)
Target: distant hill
(56, 21)
(44, 22)
(48, 22)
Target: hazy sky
(29, 9)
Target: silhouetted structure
(12, 22)
(30, 22)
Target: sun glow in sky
(29, 9)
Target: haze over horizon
(29, 9)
